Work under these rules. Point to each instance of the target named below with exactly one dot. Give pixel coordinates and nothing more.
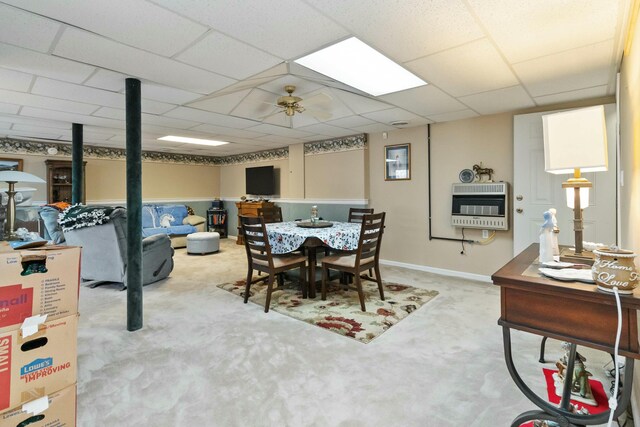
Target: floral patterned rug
(341, 313)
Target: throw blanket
(79, 216)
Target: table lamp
(11, 177)
(575, 141)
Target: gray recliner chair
(104, 252)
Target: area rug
(596, 388)
(341, 313)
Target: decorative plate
(466, 176)
(569, 274)
(319, 224)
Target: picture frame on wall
(397, 162)
(7, 164)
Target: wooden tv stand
(249, 209)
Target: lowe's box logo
(36, 365)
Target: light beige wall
(339, 175)
(232, 178)
(296, 171)
(455, 146)
(106, 179)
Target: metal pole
(77, 170)
(134, 204)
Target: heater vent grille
(480, 188)
(480, 205)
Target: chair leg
(246, 288)
(267, 304)
(281, 280)
(379, 281)
(303, 281)
(360, 292)
(324, 283)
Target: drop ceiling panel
(350, 122)
(222, 104)
(410, 28)
(229, 57)
(303, 86)
(30, 135)
(396, 114)
(147, 119)
(19, 28)
(90, 48)
(497, 101)
(15, 80)
(9, 108)
(211, 118)
(219, 130)
(325, 129)
(278, 130)
(22, 98)
(167, 94)
(374, 128)
(472, 68)
(295, 122)
(73, 92)
(70, 117)
(424, 100)
(575, 69)
(573, 95)
(359, 104)
(4, 125)
(136, 23)
(32, 62)
(558, 26)
(35, 122)
(455, 115)
(288, 30)
(107, 80)
(256, 105)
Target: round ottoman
(203, 242)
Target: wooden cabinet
(59, 181)
(249, 209)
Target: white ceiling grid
(214, 68)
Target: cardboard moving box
(38, 281)
(60, 413)
(40, 364)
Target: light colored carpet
(341, 312)
(206, 359)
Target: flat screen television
(260, 181)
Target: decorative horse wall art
(480, 171)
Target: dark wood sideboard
(249, 209)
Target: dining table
(286, 237)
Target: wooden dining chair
(365, 258)
(356, 214)
(271, 214)
(259, 257)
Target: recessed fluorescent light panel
(354, 63)
(186, 140)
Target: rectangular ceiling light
(186, 140)
(354, 63)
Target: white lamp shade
(17, 176)
(575, 139)
(584, 197)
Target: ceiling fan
(290, 104)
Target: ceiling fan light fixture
(358, 65)
(197, 141)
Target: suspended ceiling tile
(42, 129)
(154, 107)
(35, 122)
(222, 104)
(287, 30)
(256, 105)
(278, 130)
(229, 57)
(15, 80)
(170, 95)
(90, 48)
(351, 122)
(573, 95)
(220, 130)
(29, 61)
(28, 99)
(136, 23)
(295, 122)
(8, 108)
(29, 134)
(245, 84)
(147, 119)
(497, 101)
(471, 68)
(377, 127)
(455, 115)
(5, 125)
(303, 86)
(277, 140)
(107, 80)
(539, 28)
(196, 115)
(73, 92)
(359, 104)
(424, 100)
(70, 117)
(328, 130)
(408, 29)
(396, 114)
(25, 29)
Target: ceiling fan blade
(319, 99)
(263, 118)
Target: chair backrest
(370, 238)
(271, 214)
(256, 242)
(356, 214)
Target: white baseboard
(442, 271)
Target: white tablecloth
(286, 237)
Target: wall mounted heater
(480, 205)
